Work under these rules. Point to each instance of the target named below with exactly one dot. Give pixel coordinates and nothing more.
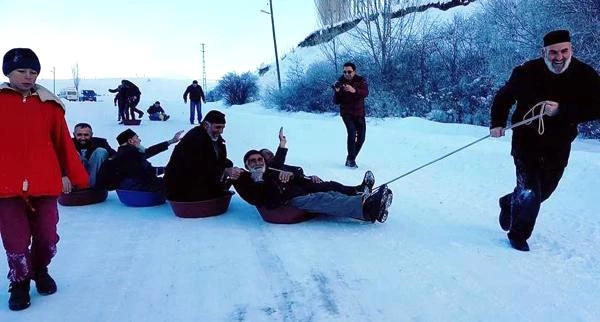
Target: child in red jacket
(38, 162)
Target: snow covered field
(441, 256)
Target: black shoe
(519, 244)
(367, 184)
(386, 202)
(351, 164)
(19, 296)
(374, 204)
(140, 114)
(505, 217)
(44, 283)
(166, 117)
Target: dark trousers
(28, 234)
(326, 186)
(132, 108)
(356, 128)
(535, 184)
(123, 115)
(195, 108)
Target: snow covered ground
(441, 256)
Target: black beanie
(249, 153)
(556, 36)
(125, 135)
(214, 117)
(20, 58)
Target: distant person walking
(569, 92)
(195, 94)
(38, 162)
(350, 92)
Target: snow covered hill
(441, 256)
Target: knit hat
(125, 135)
(214, 117)
(20, 58)
(249, 153)
(556, 36)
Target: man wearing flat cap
(131, 167)
(568, 91)
(38, 162)
(199, 168)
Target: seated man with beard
(93, 151)
(130, 164)
(268, 187)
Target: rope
(525, 120)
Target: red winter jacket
(36, 145)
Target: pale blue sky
(125, 38)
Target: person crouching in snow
(37, 152)
(156, 112)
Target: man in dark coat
(93, 151)
(569, 93)
(128, 96)
(156, 112)
(277, 161)
(266, 187)
(196, 94)
(350, 92)
(132, 169)
(199, 168)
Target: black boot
(505, 217)
(44, 283)
(19, 296)
(375, 204)
(386, 202)
(367, 184)
(519, 244)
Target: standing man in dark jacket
(199, 168)
(196, 94)
(93, 151)
(350, 92)
(132, 168)
(569, 91)
(133, 96)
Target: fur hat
(556, 36)
(125, 135)
(249, 153)
(214, 117)
(20, 58)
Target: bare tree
(331, 12)
(382, 35)
(75, 71)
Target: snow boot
(367, 184)
(19, 296)
(44, 283)
(505, 217)
(351, 164)
(519, 244)
(374, 205)
(386, 202)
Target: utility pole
(54, 80)
(274, 41)
(203, 70)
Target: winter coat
(93, 144)
(36, 145)
(577, 91)
(195, 92)
(352, 104)
(132, 169)
(195, 170)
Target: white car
(70, 94)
